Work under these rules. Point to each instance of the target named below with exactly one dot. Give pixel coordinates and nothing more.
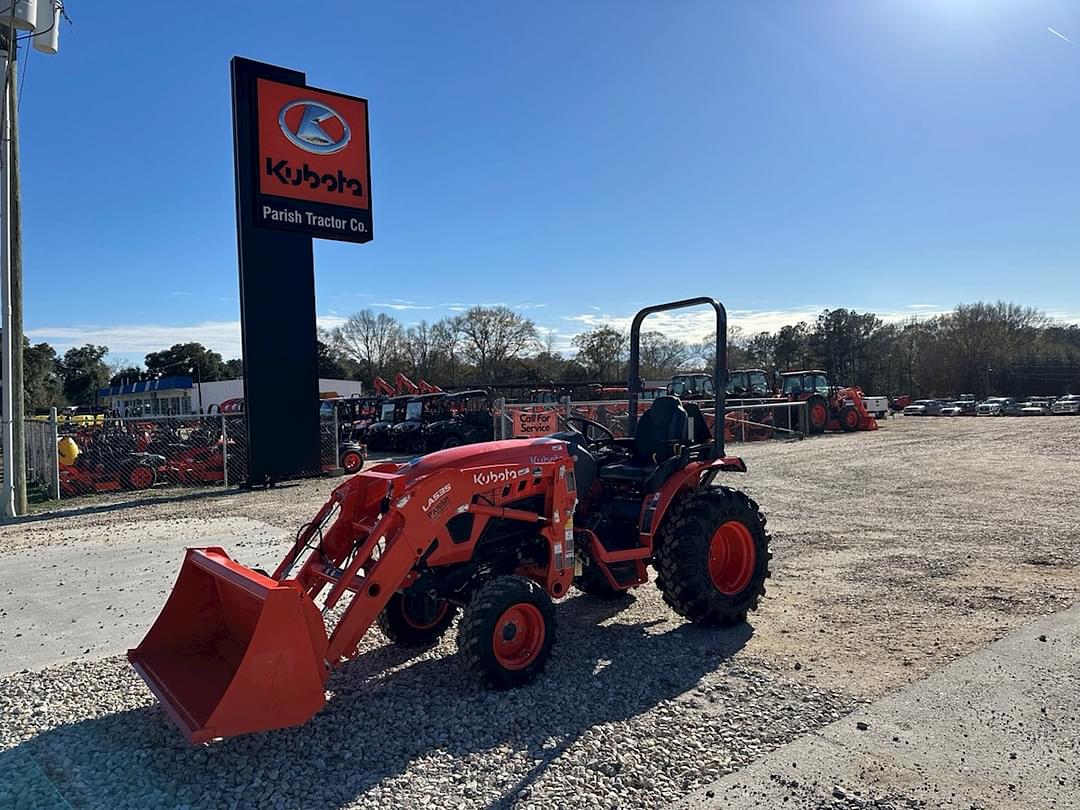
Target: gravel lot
(896, 552)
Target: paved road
(997, 729)
(98, 597)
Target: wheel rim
(518, 636)
(818, 415)
(731, 558)
(352, 462)
(852, 419)
(142, 478)
(417, 624)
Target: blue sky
(575, 160)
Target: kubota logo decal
(502, 476)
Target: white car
(1035, 407)
(1068, 404)
(994, 406)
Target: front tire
(712, 556)
(415, 620)
(506, 634)
(848, 418)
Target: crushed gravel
(895, 552)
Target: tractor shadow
(385, 712)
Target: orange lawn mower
(493, 531)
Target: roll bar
(720, 372)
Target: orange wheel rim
(731, 558)
(142, 477)
(352, 462)
(518, 636)
(818, 414)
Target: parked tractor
(104, 460)
(494, 532)
(407, 435)
(391, 411)
(828, 407)
(468, 421)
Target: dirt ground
(895, 551)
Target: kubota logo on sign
(309, 133)
(312, 145)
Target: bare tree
(661, 355)
(493, 336)
(370, 340)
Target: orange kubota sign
(313, 161)
(535, 423)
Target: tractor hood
(519, 452)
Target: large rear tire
(506, 634)
(415, 620)
(712, 556)
(817, 414)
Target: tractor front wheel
(415, 620)
(352, 461)
(712, 556)
(506, 634)
(848, 418)
(141, 476)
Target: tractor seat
(661, 430)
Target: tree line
(981, 348)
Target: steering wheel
(607, 438)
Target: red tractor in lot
(494, 532)
(828, 407)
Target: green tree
(42, 385)
(187, 358)
(603, 352)
(84, 373)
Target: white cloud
(139, 339)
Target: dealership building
(179, 395)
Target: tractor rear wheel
(415, 620)
(712, 556)
(817, 414)
(506, 634)
(848, 418)
(141, 476)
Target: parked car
(1034, 407)
(899, 403)
(960, 407)
(923, 407)
(1068, 404)
(995, 406)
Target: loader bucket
(234, 651)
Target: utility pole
(41, 18)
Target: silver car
(923, 407)
(1068, 404)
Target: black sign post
(276, 143)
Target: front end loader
(494, 531)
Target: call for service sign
(312, 162)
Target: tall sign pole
(302, 171)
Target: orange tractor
(828, 407)
(493, 531)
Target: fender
(689, 477)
